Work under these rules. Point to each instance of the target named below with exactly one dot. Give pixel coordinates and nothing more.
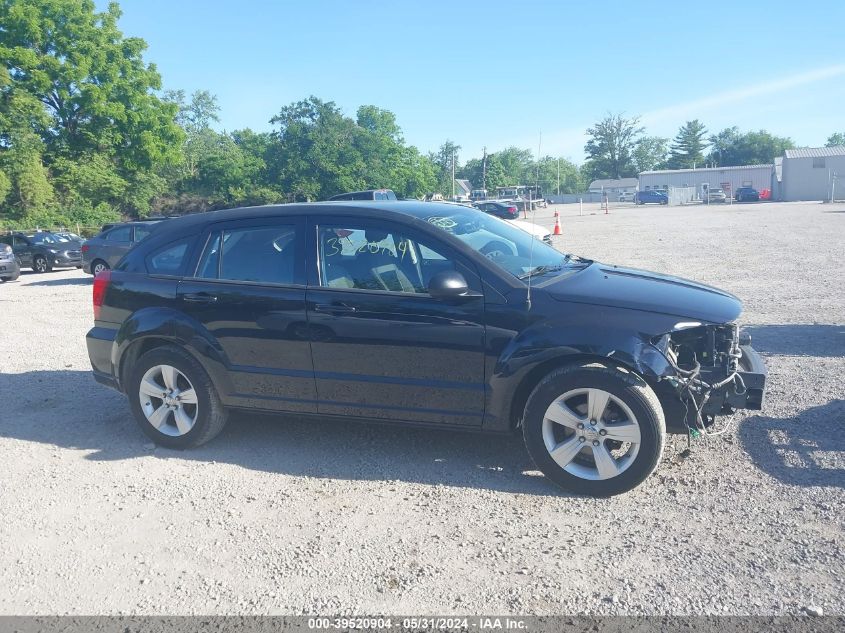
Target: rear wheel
(594, 430)
(174, 400)
(98, 266)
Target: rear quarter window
(169, 259)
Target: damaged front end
(714, 370)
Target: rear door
(23, 250)
(382, 347)
(116, 244)
(248, 291)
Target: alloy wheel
(40, 265)
(168, 400)
(591, 434)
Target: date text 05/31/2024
(417, 623)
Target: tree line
(618, 147)
(88, 134)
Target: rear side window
(121, 234)
(169, 259)
(142, 231)
(264, 254)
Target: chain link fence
(76, 229)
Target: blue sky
(500, 73)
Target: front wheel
(594, 430)
(40, 264)
(174, 400)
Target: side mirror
(447, 285)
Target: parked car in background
(747, 194)
(651, 197)
(10, 266)
(70, 237)
(42, 251)
(391, 312)
(716, 195)
(499, 209)
(370, 194)
(103, 251)
(627, 196)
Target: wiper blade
(539, 270)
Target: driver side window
(374, 258)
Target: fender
(580, 333)
(168, 324)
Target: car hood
(614, 286)
(529, 227)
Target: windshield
(45, 238)
(515, 251)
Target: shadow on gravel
(798, 340)
(806, 450)
(69, 281)
(70, 410)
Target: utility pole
(484, 170)
(453, 175)
(558, 175)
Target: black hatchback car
(389, 312)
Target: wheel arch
(152, 328)
(536, 374)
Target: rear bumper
(9, 269)
(100, 342)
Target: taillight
(101, 284)
(85, 248)
(513, 210)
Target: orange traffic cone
(557, 230)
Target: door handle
(334, 308)
(199, 297)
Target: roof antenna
(533, 217)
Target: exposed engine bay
(716, 372)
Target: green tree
(688, 147)
(442, 160)
(732, 147)
(71, 79)
(836, 139)
(610, 147)
(650, 153)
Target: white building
(613, 186)
(813, 173)
(757, 176)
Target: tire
(493, 250)
(631, 410)
(98, 266)
(207, 414)
(751, 360)
(40, 264)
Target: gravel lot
(291, 516)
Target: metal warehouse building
(757, 176)
(813, 173)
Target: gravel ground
(292, 516)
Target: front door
(382, 347)
(248, 291)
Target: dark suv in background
(390, 312)
(43, 251)
(105, 249)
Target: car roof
(361, 208)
